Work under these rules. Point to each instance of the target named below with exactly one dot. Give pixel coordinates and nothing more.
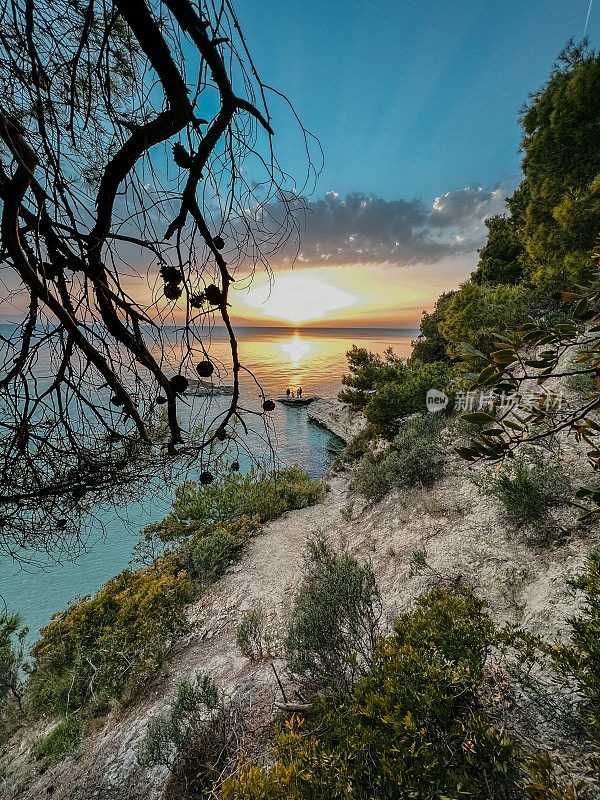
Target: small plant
(527, 485)
(415, 458)
(419, 565)
(418, 562)
(250, 634)
(196, 740)
(334, 622)
(212, 554)
(347, 511)
(63, 740)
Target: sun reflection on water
(296, 349)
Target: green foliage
(213, 552)
(392, 401)
(250, 634)
(63, 740)
(415, 458)
(354, 450)
(527, 485)
(255, 494)
(432, 345)
(196, 740)
(104, 647)
(478, 313)
(410, 728)
(347, 510)
(579, 660)
(180, 729)
(367, 372)
(388, 389)
(501, 260)
(334, 622)
(12, 635)
(560, 205)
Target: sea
(277, 358)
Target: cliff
(468, 539)
(337, 418)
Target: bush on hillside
(255, 494)
(354, 450)
(212, 552)
(410, 728)
(250, 634)
(388, 389)
(415, 458)
(527, 485)
(196, 740)
(334, 622)
(578, 661)
(104, 647)
(63, 740)
(12, 635)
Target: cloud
(467, 207)
(363, 229)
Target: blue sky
(409, 98)
(416, 105)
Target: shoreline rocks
(336, 417)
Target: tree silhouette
(136, 175)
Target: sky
(416, 107)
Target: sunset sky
(416, 107)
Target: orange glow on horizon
(371, 295)
(352, 295)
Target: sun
(299, 297)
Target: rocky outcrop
(337, 418)
(202, 388)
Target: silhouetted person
(287, 391)
(299, 391)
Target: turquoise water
(279, 358)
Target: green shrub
(527, 485)
(415, 458)
(579, 660)
(195, 740)
(63, 740)
(393, 401)
(168, 736)
(411, 728)
(255, 494)
(12, 635)
(334, 622)
(250, 634)
(105, 646)
(354, 450)
(212, 554)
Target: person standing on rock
(299, 391)
(287, 391)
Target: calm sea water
(280, 358)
